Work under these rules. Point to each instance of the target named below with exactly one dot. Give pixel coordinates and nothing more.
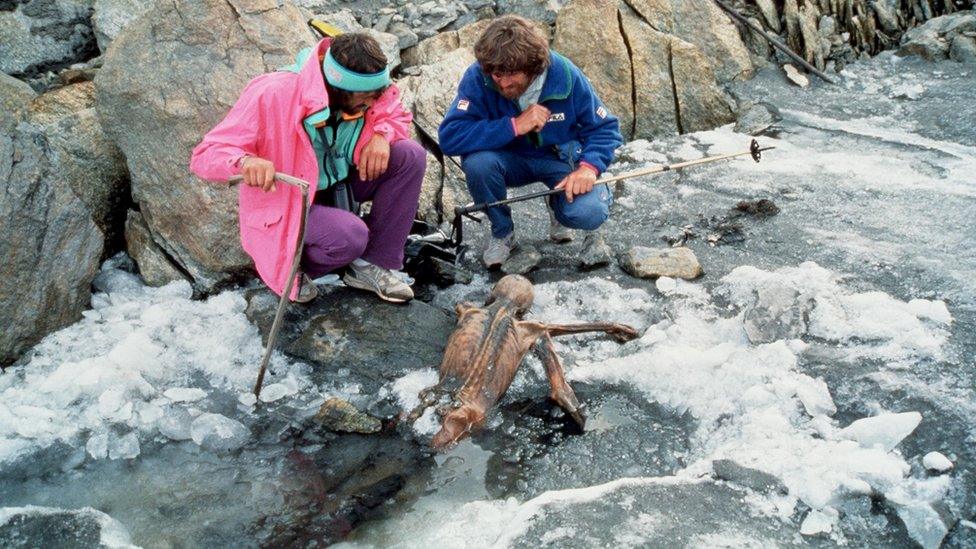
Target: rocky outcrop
(652, 78)
(38, 35)
(63, 181)
(202, 55)
(949, 36)
(588, 34)
(838, 32)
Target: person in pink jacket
(332, 117)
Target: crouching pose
(523, 114)
(333, 117)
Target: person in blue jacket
(524, 113)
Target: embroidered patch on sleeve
(463, 105)
(601, 112)
(557, 117)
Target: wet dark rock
(339, 415)
(645, 262)
(754, 479)
(658, 512)
(329, 490)
(353, 336)
(51, 527)
(524, 259)
(630, 437)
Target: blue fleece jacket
(580, 128)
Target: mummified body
(486, 349)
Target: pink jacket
(266, 121)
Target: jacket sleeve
(390, 119)
(599, 130)
(467, 127)
(215, 157)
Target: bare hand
(259, 172)
(580, 181)
(532, 119)
(374, 158)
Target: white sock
(360, 262)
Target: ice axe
(280, 313)
(755, 151)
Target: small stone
(337, 414)
(935, 461)
(644, 262)
(795, 76)
(524, 259)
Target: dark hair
(358, 52)
(511, 43)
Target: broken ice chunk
(886, 430)
(97, 446)
(815, 396)
(185, 394)
(175, 424)
(819, 521)
(935, 461)
(124, 447)
(218, 433)
(275, 391)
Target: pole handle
(282, 177)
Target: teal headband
(345, 79)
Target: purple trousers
(334, 237)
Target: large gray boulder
(38, 35)
(702, 23)
(599, 50)
(51, 245)
(157, 102)
(652, 78)
(946, 36)
(110, 17)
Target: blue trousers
(490, 173)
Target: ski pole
(280, 313)
(755, 151)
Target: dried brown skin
(486, 349)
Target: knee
(586, 212)
(409, 154)
(348, 240)
(479, 165)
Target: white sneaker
(380, 281)
(498, 250)
(557, 231)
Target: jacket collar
(314, 96)
(559, 79)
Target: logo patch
(601, 112)
(463, 105)
(557, 117)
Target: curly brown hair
(512, 44)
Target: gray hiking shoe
(595, 251)
(308, 291)
(498, 250)
(557, 231)
(378, 280)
